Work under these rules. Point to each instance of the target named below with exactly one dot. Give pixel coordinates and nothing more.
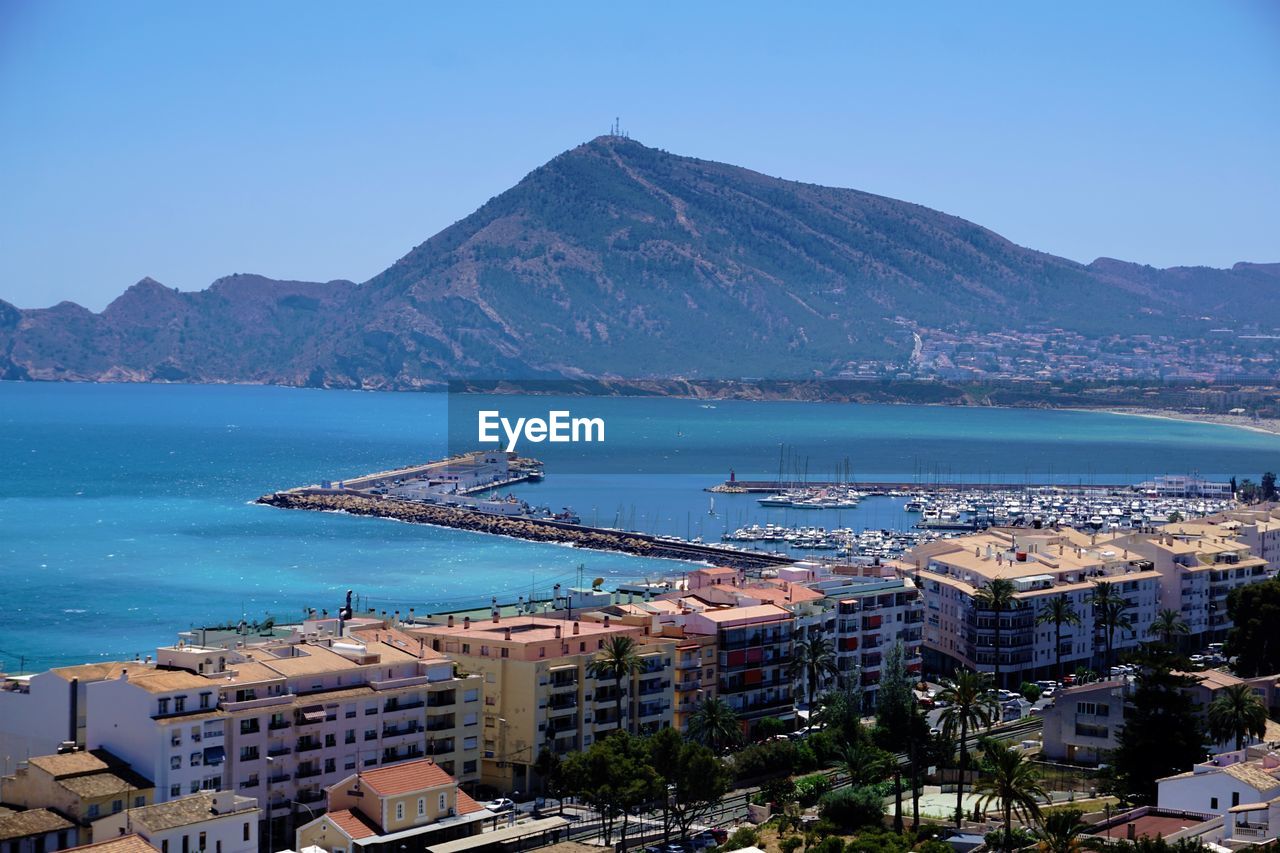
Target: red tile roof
(466, 805)
(354, 824)
(122, 844)
(406, 776)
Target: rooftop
(31, 822)
(405, 777)
(526, 629)
(123, 844)
(186, 811)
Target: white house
(1224, 782)
(213, 822)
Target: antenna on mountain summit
(615, 130)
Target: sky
(317, 140)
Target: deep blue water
(125, 510)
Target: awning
(511, 833)
(313, 714)
(1249, 807)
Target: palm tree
(618, 660)
(1167, 625)
(996, 595)
(1013, 783)
(814, 660)
(969, 707)
(864, 762)
(1109, 612)
(1064, 832)
(1237, 712)
(715, 725)
(1059, 611)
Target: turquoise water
(125, 510)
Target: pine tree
(1163, 732)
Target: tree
(693, 777)
(1268, 486)
(618, 660)
(863, 762)
(1109, 613)
(900, 727)
(1254, 641)
(996, 595)
(548, 766)
(1168, 624)
(1237, 712)
(1064, 832)
(813, 661)
(1012, 782)
(715, 725)
(1162, 733)
(854, 807)
(1249, 491)
(969, 707)
(768, 727)
(1059, 611)
(614, 776)
(841, 714)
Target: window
(164, 706)
(175, 763)
(139, 801)
(203, 839)
(1213, 804)
(175, 790)
(466, 648)
(330, 740)
(180, 704)
(444, 803)
(118, 805)
(399, 811)
(468, 767)
(186, 844)
(164, 846)
(422, 806)
(330, 765)
(204, 699)
(1235, 798)
(246, 831)
(506, 652)
(542, 651)
(93, 810)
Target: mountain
(619, 260)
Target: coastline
(1266, 426)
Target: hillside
(619, 260)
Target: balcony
(278, 778)
(1251, 830)
(440, 724)
(277, 751)
(277, 725)
(393, 706)
(264, 702)
(394, 731)
(443, 699)
(310, 796)
(307, 772)
(307, 745)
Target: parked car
(502, 804)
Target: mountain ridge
(617, 260)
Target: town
(1006, 684)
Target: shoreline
(1266, 426)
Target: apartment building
(278, 721)
(870, 616)
(1198, 567)
(1042, 565)
(80, 786)
(414, 804)
(540, 691)
(754, 645)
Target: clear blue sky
(316, 140)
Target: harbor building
(540, 690)
(279, 720)
(1042, 564)
(411, 805)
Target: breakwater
(531, 529)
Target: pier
(889, 487)
(530, 529)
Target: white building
(1228, 780)
(1082, 723)
(211, 822)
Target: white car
(502, 804)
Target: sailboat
(711, 510)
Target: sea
(127, 514)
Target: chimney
(396, 620)
(466, 622)
(606, 620)
(410, 614)
(124, 675)
(506, 635)
(575, 627)
(450, 620)
(495, 616)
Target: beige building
(81, 786)
(1199, 566)
(1042, 564)
(35, 831)
(539, 691)
(408, 806)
